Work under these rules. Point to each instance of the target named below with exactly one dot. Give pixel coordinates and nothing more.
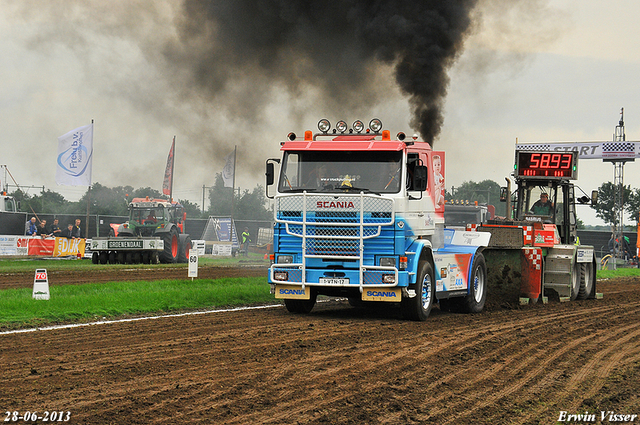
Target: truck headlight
(285, 259)
(388, 278)
(387, 262)
(281, 276)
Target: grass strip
(78, 303)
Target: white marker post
(193, 263)
(41, 285)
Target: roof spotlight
(358, 126)
(341, 126)
(324, 125)
(291, 136)
(375, 125)
(401, 136)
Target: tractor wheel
(301, 306)
(419, 307)
(474, 301)
(170, 253)
(183, 251)
(575, 281)
(586, 281)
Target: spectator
(68, 233)
(43, 232)
(31, 229)
(55, 229)
(245, 241)
(77, 232)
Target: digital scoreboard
(547, 165)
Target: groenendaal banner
(75, 155)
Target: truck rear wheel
(301, 306)
(475, 300)
(170, 253)
(419, 307)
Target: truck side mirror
(504, 194)
(594, 197)
(420, 178)
(270, 173)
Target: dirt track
(337, 365)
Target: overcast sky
(531, 70)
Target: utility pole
(619, 138)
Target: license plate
(334, 281)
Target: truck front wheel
(301, 306)
(419, 307)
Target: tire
(95, 258)
(120, 257)
(104, 257)
(171, 242)
(575, 281)
(419, 307)
(155, 257)
(475, 300)
(183, 251)
(301, 306)
(112, 257)
(586, 281)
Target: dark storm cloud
(231, 52)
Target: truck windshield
(319, 171)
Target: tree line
(103, 200)
(253, 205)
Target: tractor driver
(152, 217)
(542, 206)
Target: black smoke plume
(333, 46)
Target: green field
(99, 301)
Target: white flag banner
(229, 169)
(75, 155)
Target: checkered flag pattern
(618, 147)
(536, 147)
(534, 255)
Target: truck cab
(361, 215)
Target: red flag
(168, 172)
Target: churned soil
(518, 365)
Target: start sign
(41, 285)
